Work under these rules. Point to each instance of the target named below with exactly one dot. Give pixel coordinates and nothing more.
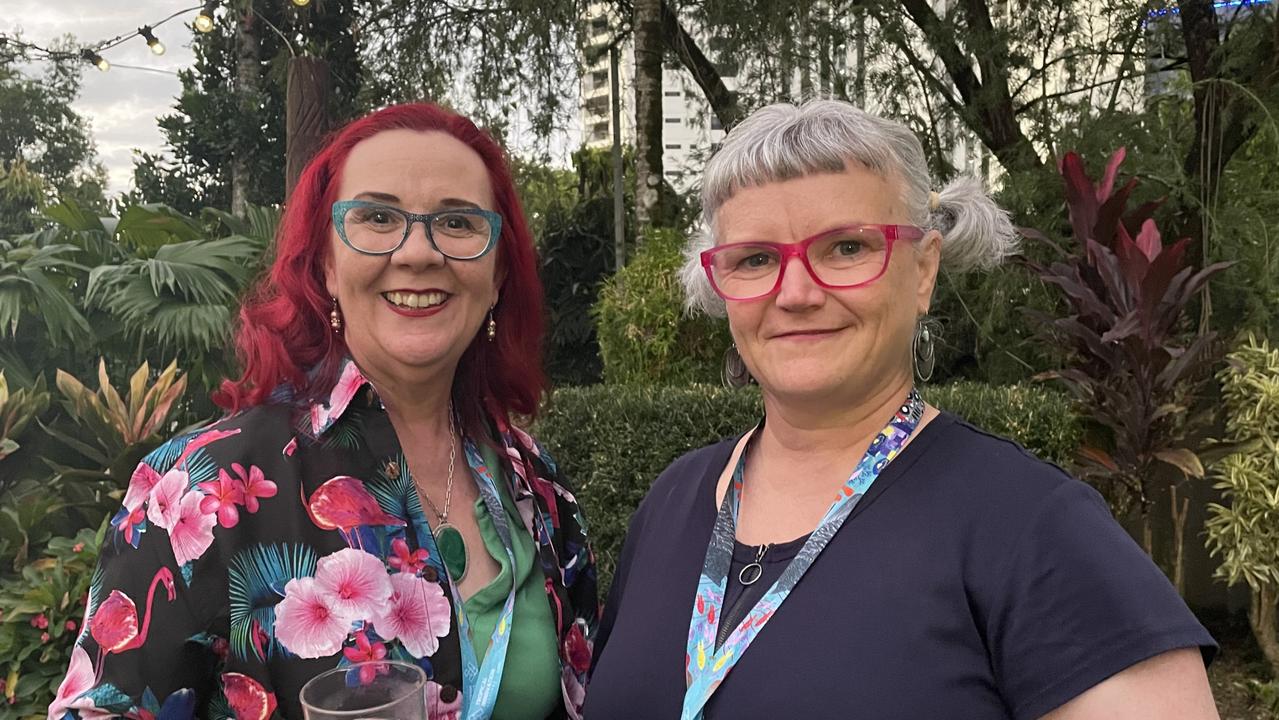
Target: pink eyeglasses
(845, 257)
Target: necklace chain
(448, 488)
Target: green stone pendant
(452, 550)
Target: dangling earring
(735, 374)
(924, 347)
(335, 318)
(492, 326)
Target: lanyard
(480, 682)
(707, 666)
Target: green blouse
(530, 688)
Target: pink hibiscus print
(162, 507)
(291, 447)
(418, 614)
(221, 496)
(255, 485)
(404, 561)
(365, 651)
(355, 583)
(443, 702)
(305, 623)
(143, 479)
(78, 681)
(192, 531)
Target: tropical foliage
(1136, 368)
(1245, 533)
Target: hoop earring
(492, 327)
(335, 318)
(735, 374)
(924, 349)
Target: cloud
(121, 104)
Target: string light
(92, 57)
(301, 3)
(204, 21)
(153, 42)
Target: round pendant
(452, 551)
(750, 574)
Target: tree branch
(723, 101)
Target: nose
(418, 252)
(798, 289)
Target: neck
(418, 406)
(825, 431)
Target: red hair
(284, 336)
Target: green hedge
(613, 441)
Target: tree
(649, 49)
(45, 147)
(229, 122)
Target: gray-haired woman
(861, 554)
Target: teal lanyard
(707, 666)
(480, 681)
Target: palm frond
(257, 577)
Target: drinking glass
(373, 690)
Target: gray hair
(784, 142)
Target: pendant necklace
(448, 539)
(751, 574)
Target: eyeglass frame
(892, 233)
(341, 207)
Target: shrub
(613, 441)
(1246, 534)
(42, 610)
(1136, 369)
(644, 334)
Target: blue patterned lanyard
(707, 666)
(480, 682)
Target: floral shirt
(287, 540)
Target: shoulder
(247, 436)
(965, 458)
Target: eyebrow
(448, 202)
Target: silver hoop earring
(924, 348)
(735, 374)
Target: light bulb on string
(204, 21)
(153, 42)
(92, 57)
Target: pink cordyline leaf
(1112, 170)
(1148, 239)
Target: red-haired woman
(367, 497)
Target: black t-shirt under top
(972, 581)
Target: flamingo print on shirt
(249, 556)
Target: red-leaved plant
(1135, 365)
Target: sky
(121, 104)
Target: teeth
(416, 300)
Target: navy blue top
(972, 581)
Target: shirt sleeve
(143, 647)
(1081, 601)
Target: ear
(927, 264)
(330, 277)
